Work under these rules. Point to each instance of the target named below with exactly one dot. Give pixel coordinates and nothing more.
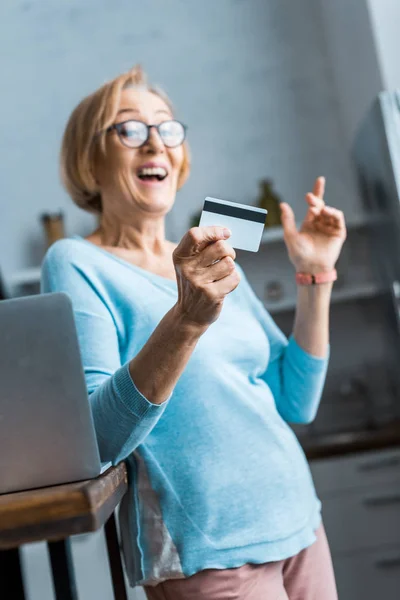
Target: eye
(172, 133)
(132, 130)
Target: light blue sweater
(217, 477)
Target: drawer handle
(382, 500)
(388, 563)
(382, 463)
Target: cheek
(117, 158)
(176, 159)
(121, 159)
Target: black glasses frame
(118, 126)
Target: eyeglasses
(135, 134)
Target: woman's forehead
(141, 101)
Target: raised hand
(316, 246)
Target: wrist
(185, 326)
(311, 279)
(314, 298)
(314, 268)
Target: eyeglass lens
(135, 133)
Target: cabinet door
(347, 473)
(369, 576)
(363, 519)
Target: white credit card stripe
(234, 211)
(236, 204)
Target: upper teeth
(153, 171)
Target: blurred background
(274, 93)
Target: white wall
(353, 59)
(252, 80)
(385, 19)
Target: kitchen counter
(341, 444)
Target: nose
(154, 143)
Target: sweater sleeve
(123, 417)
(295, 377)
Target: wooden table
(54, 514)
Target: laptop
(47, 434)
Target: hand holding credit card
(245, 222)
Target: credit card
(245, 222)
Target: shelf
(360, 292)
(31, 275)
(275, 234)
(364, 291)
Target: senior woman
(190, 380)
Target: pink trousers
(306, 576)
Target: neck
(144, 234)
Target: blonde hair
(85, 133)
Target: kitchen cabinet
(360, 497)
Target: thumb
(198, 238)
(288, 220)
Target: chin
(159, 203)
(155, 197)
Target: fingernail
(227, 232)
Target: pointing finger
(319, 187)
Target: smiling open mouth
(152, 174)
